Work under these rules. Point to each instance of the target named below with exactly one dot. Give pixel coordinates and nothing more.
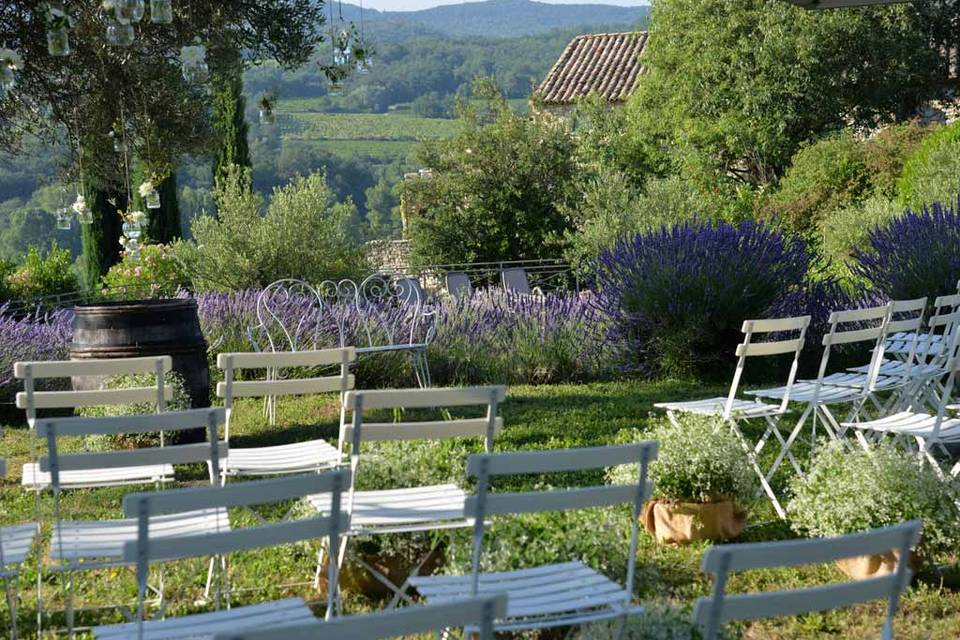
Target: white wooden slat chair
(921, 431)
(473, 613)
(147, 549)
(761, 338)
(568, 593)
(458, 284)
(411, 509)
(16, 542)
(84, 545)
(31, 400)
(719, 608)
(297, 457)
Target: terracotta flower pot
(875, 565)
(685, 522)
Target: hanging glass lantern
(136, 9)
(58, 23)
(120, 34)
(63, 218)
(131, 230)
(267, 117)
(118, 145)
(152, 200)
(194, 62)
(10, 62)
(58, 42)
(83, 212)
(161, 11)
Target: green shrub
(848, 229)
(657, 622)
(304, 234)
(179, 402)
(611, 209)
(498, 188)
(888, 151)
(43, 274)
(846, 492)
(823, 176)
(699, 461)
(156, 274)
(931, 172)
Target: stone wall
(388, 256)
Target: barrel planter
(140, 328)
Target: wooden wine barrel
(144, 328)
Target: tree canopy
(745, 82)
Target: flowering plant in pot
(701, 481)
(847, 492)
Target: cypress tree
(101, 240)
(229, 122)
(163, 224)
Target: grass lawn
(534, 418)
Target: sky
(414, 5)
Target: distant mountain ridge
(496, 18)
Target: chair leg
(11, 604)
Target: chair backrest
(942, 324)
(31, 372)
(358, 430)
(392, 312)
(55, 462)
(853, 326)
(474, 612)
(458, 284)
(713, 611)
(904, 329)
(516, 280)
(146, 550)
(488, 465)
(290, 315)
(274, 385)
(779, 336)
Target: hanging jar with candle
(150, 195)
(82, 210)
(10, 63)
(161, 11)
(58, 23)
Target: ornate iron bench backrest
(392, 312)
(292, 316)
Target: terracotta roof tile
(604, 63)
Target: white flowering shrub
(848, 492)
(657, 622)
(699, 461)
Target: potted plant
(701, 480)
(847, 492)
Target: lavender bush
(682, 293)
(914, 255)
(493, 336)
(33, 337)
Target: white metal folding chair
(478, 613)
(297, 457)
(568, 593)
(924, 364)
(31, 400)
(865, 326)
(719, 608)
(761, 338)
(85, 545)
(16, 541)
(411, 509)
(917, 430)
(148, 548)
